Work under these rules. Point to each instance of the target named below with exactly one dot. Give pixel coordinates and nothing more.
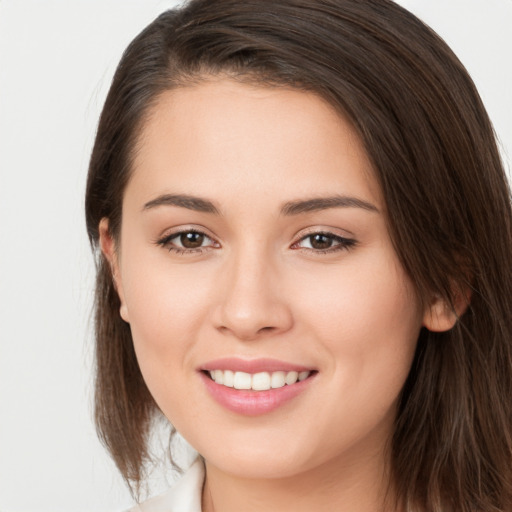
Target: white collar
(183, 496)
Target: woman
(303, 230)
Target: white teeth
(291, 378)
(229, 379)
(262, 381)
(278, 379)
(242, 380)
(219, 376)
(303, 375)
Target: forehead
(226, 137)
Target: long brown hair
(448, 205)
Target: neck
(361, 487)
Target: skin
(258, 287)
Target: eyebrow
(324, 203)
(184, 201)
(290, 208)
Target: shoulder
(183, 496)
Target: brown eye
(184, 242)
(191, 240)
(324, 243)
(320, 241)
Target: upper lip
(253, 365)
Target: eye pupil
(320, 241)
(191, 240)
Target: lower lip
(254, 403)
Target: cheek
(368, 320)
(165, 317)
(368, 325)
(374, 301)
(166, 306)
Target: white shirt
(183, 496)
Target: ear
(441, 316)
(108, 248)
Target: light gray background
(56, 61)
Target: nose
(254, 302)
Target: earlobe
(108, 248)
(441, 316)
(123, 311)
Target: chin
(267, 456)
(256, 466)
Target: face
(271, 318)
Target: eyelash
(342, 244)
(166, 242)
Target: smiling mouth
(261, 381)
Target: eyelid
(185, 228)
(164, 239)
(325, 230)
(344, 242)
